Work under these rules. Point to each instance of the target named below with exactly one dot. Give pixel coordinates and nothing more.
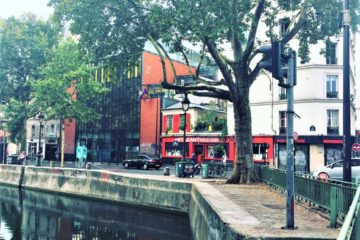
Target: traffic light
(274, 60)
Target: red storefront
(211, 148)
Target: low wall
(11, 174)
(137, 190)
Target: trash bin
(179, 169)
(204, 170)
(166, 171)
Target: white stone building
(318, 99)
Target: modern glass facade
(116, 135)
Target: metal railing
(315, 191)
(351, 226)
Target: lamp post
(185, 106)
(346, 94)
(3, 142)
(41, 119)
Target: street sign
(356, 147)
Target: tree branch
(221, 63)
(235, 42)
(298, 26)
(224, 96)
(189, 88)
(254, 25)
(254, 73)
(154, 43)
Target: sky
(17, 7)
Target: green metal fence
(313, 190)
(351, 226)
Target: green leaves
(68, 86)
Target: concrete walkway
(261, 212)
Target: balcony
(331, 60)
(332, 94)
(333, 130)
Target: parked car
(143, 161)
(335, 170)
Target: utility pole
(290, 140)
(346, 95)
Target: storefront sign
(203, 139)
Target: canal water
(26, 214)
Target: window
(333, 122)
(282, 123)
(182, 122)
(283, 25)
(331, 86)
(282, 94)
(32, 131)
(169, 123)
(331, 53)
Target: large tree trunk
(243, 164)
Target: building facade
(48, 144)
(318, 101)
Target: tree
(68, 89)
(124, 26)
(25, 45)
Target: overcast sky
(17, 7)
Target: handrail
(351, 218)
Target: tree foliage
(122, 27)
(25, 45)
(68, 89)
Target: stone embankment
(211, 214)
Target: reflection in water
(33, 215)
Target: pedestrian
(224, 158)
(193, 158)
(22, 158)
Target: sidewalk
(268, 207)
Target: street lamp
(3, 141)
(41, 120)
(185, 106)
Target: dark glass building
(116, 135)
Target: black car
(143, 161)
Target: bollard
(88, 165)
(52, 164)
(166, 171)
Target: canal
(26, 214)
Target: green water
(34, 215)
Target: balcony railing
(333, 130)
(332, 94)
(331, 60)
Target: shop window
(260, 151)
(211, 152)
